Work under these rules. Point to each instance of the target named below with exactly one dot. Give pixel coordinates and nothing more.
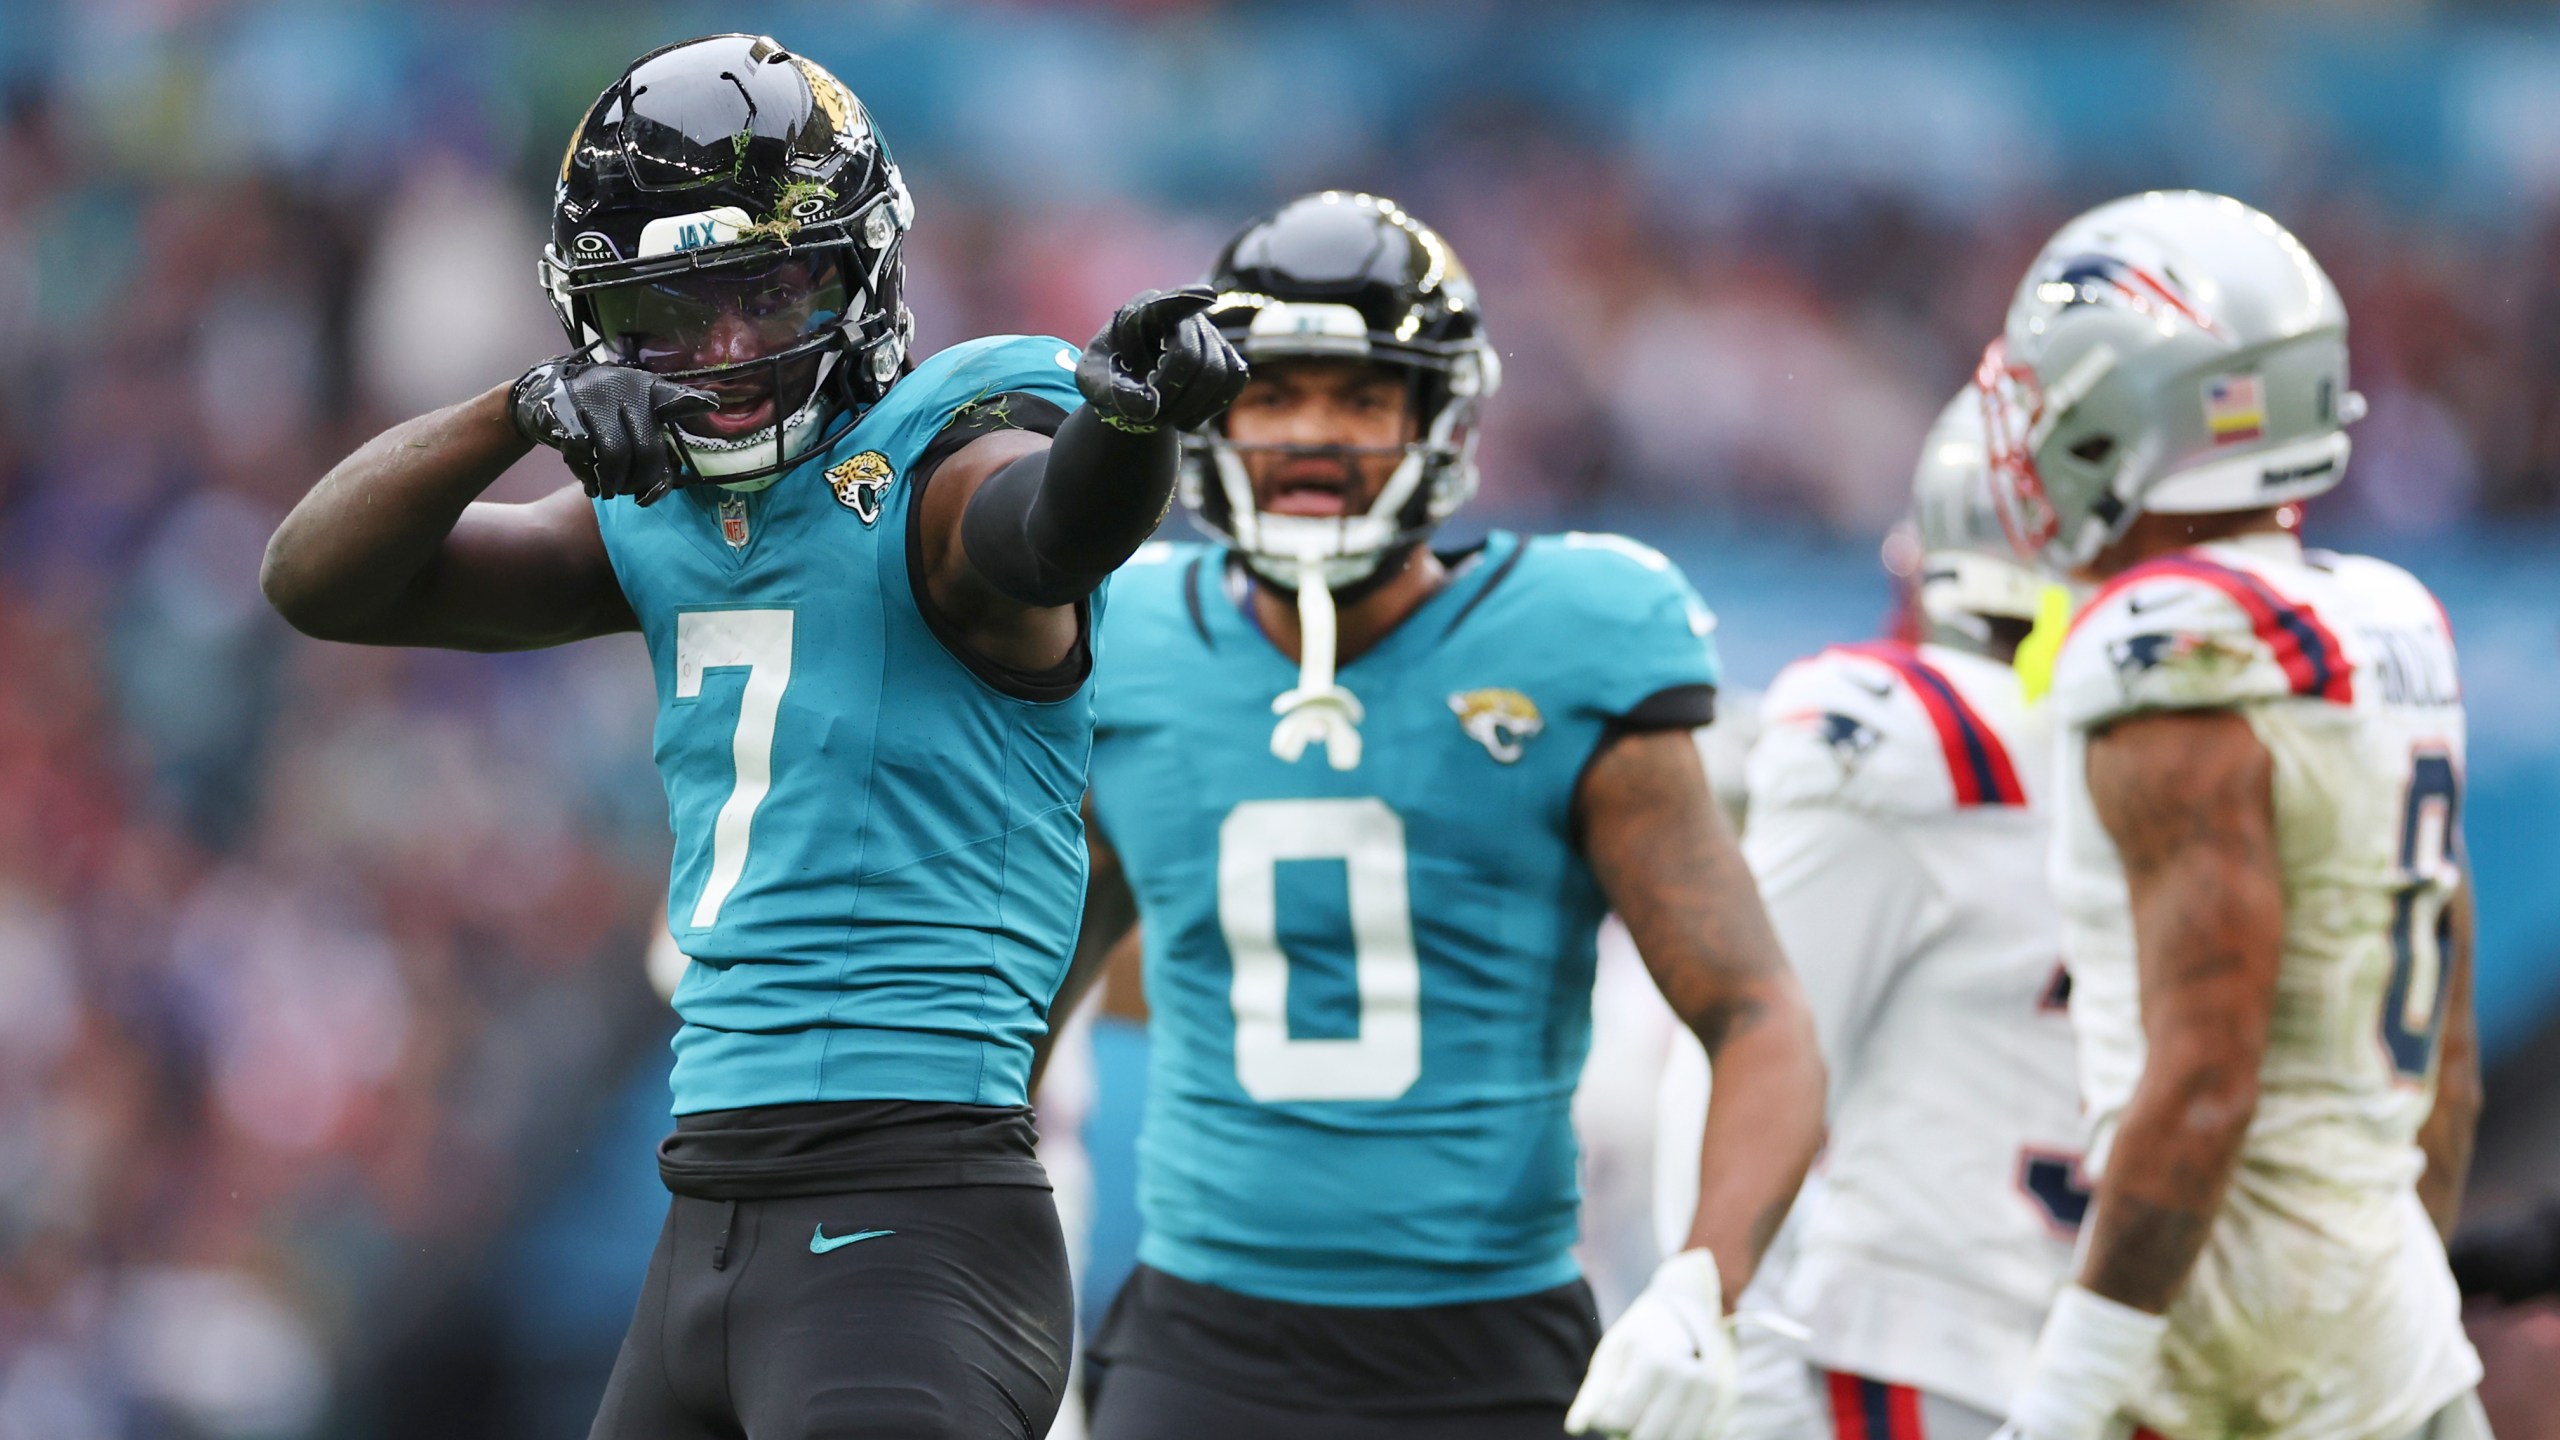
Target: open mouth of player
(739, 414)
(1322, 488)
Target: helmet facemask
(1434, 475)
(1969, 580)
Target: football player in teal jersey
(867, 585)
(1369, 927)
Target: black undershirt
(1525, 1350)
(833, 1147)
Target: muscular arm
(2188, 798)
(393, 547)
(1669, 865)
(1110, 912)
(1019, 527)
(2446, 1137)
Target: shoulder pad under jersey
(2189, 631)
(1614, 612)
(1890, 729)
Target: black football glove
(1160, 362)
(610, 423)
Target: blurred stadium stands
(327, 1072)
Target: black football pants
(938, 1314)
(1138, 1404)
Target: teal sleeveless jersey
(1371, 990)
(879, 866)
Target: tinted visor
(714, 326)
(705, 319)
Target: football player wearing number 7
(1369, 924)
(867, 585)
(2258, 854)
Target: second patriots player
(1896, 837)
(1369, 928)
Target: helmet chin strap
(1317, 711)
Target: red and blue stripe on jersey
(2313, 661)
(1864, 1409)
(1976, 760)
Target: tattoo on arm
(2146, 1243)
(1666, 859)
(2188, 799)
(1668, 862)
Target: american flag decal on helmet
(2235, 408)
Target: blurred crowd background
(328, 1070)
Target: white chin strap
(1318, 711)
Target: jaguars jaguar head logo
(861, 483)
(1502, 721)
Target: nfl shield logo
(733, 521)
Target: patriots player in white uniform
(1896, 833)
(1895, 836)
(2258, 854)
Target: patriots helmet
(2174, 351)
(728, 217)
(1339, 275)
(1968, 572)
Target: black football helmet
(1343, 275)
(728, 217)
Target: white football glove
(2093, 1355)
(1666, 1370)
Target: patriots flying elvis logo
(2137, 653)
(2098, 278)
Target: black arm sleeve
(1046, 529)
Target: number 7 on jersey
(758, 641)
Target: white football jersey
(1895, 842)
(2322, 1307)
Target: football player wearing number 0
(1369, 928)
(2258, 853)
(867, 586)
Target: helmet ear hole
(2095, 449)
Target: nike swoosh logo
(2133, 605)
(1066, 359)
(1881, 689)
(819, 1244)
